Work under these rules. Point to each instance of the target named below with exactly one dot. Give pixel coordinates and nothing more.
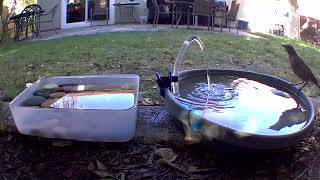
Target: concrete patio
(134, 28)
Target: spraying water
(180, 57)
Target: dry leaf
(67, 173)
(101, 166)
(166, 154)
(62, 143)
(102, 174)
(163, 162)
(91, 166)
(146, 101)
(9, 138)
(123, 176)
(194, 169)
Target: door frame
(64, 24)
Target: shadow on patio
(134, 28)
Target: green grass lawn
(144, 54)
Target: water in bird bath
(237, 103)
(242, 104)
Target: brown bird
(299, 67)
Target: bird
(299, 67)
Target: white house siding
(47, 5)
(115, 17)
(262, 15)
(125, 17)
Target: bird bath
(244, 108)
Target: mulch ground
(25, 157)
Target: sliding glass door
(74, 13)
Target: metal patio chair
(96, 10)
(161, 9)
(203, 8)
(49, 16)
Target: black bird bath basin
(243, 108)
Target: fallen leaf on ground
(101, 166)
(61, 143)
(67, 173)
(194, 169)
(91, 166)
(102, 174)
(123, 176)
(163, 162)
(166, 154)
(146, 101)
(9, 138)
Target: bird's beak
(283, 45)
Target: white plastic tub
(104, 125)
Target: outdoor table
(127, 4)
(24, 20)
(219, 10)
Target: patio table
(219, 10)
(24, 20)
(127, 4)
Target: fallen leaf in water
(101, 166)
(67, 173)
(102, 174)
(62, 143)
(91, 166)
(166, 154)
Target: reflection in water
(289, 118)
(242, 104)
(113, 100)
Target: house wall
(47, 5)
(125, 16)
(262, 15)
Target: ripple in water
(242, 104)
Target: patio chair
(232, 15)
(203, 8)
(182, 7)
(97, 10)
(163, 9)
(49, 16)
